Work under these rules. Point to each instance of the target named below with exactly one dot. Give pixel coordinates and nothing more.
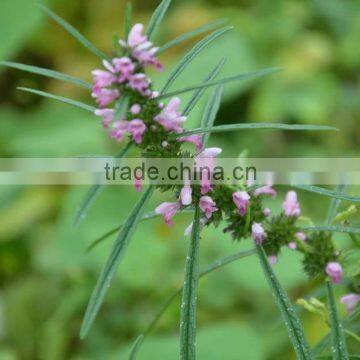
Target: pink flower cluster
(120, 74)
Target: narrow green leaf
(148, 216)
(334, 206)
(183, 37)
(339, 349)
(290, 317)
(136, 346)
(190, 56)
(157, 17)
(189, 297)
(127, 20)
(211, 110)
(245, 76)
(198, 93)
(323, 344)
(93, 193)
(335, 228)
(60, 98)
(268, 126)
(332, 193)
(75, 33)
(46, 72)
(116, 254)
(207, 270)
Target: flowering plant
(133, 112)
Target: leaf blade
(62, 99)
(249, 126)
(113, 262)
(47, 73)
(290, 317)
(211, 111)
(190, 34)
(127, 19)
(243, 76)
(94, 192)
(334, 228)
(198, 93)
(189, 297)
(339, 349)
(190, 56)
(157, 17)
(74, 32)
(331, 193)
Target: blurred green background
(45, 275)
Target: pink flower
(292, 245)
(170, 117)
(273, 259)
(107, 115)
(140, 83)
(300, 236)
(137, 128)
(266, 212)
(135, 109)
(194, 139)
(138, 184)
(258, 233)
(125, 67)
(168, 210)
(119, 129)
(145, 54)
(205, 162)
(104, 96)
(136, 36)
(335, 271)
(208, 206)
(291, 206)
(350, 301)
(241, 200)
(103, 78)
(109, 66)
(266, 190)
(186, 193)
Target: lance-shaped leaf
(339, 349)
(331, 193)
(191, 55)
(207, 270)
(48, 73)
(157, 17)
(239, 77)
(289, 315)
(62, 99)
(189, 297)
(335, 228)
(127, 19)
(94, 192)
(334, 205)
(116, 254)
(253, 126)
(75, 33)
(183, 37)
(198, 93)
(326, 340)
(211, 110)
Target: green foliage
(291, 320)
(189, 297)
(157, 18)
(113, 262)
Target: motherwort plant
(152, 120)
